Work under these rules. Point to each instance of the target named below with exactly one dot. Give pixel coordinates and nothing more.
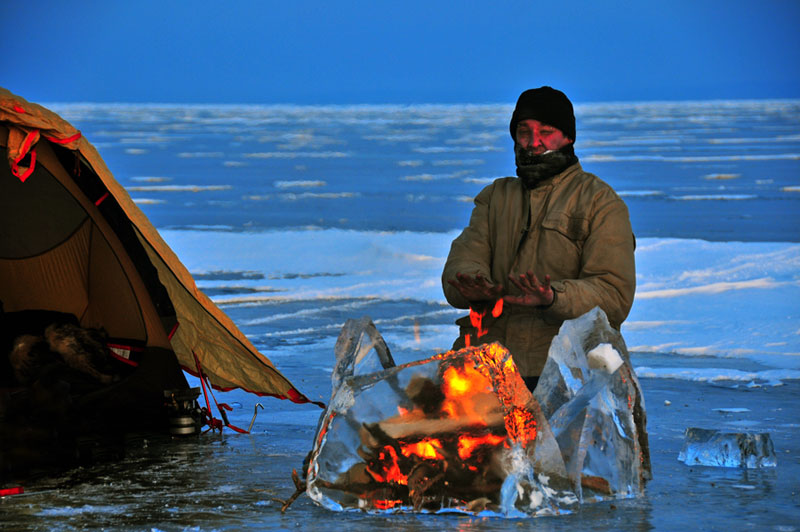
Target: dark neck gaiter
(533, 169)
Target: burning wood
(460, 431)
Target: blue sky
(409, 51)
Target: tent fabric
(72, 240)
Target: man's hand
(534, 292)
(477, 288)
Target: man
(543, 247)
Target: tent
(72, 241)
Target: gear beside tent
(74, 247)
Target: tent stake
(255, 412)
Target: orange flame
(460, 385)
(476, 318)
(467, 444)
(466, 380)
(391, 470)
(428, 448)
(471, 388)
(498, 308)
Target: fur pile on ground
(81, 349)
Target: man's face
(537, 138)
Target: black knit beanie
(547, 105)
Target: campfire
(457, 431)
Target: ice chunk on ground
(596, 409)
(433, 435)
(727, 449)
(460, 431)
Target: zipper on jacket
(541, 217)
(525, 232)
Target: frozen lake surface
(294, 219)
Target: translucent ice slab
(460, 431)
(592, 399)
(727, 449)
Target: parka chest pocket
(561, 241)
(574, 228)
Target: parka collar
(558, 178)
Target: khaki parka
(573, 227)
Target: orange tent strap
(172, 332)
(67, 140)
(293, 395)
(26, 174)
(23, 151)
(102, 198)
(297, 397)
(215, 423)
(26, 145)
(16, 490)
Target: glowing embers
(446, 436)
(460, 431)
(389, 468)
(430, 434)
(468, 444)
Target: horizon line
(415, 104)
